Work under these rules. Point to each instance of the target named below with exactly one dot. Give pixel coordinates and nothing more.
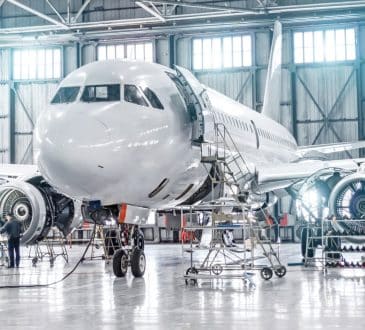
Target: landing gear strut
(131, 254)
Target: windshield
(101, 93)
(66, 95)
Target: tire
(307, 233)
(120, 263)
(192, 281)
(280, 271)
(138, 263)
(139, 240)
(266, 273)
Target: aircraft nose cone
(70, 148)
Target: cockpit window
(152, 97)
(133, 95)
(101, 93)
(66, 95)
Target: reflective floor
(92, 298)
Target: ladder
(230, 167)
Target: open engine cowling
(38, 208)
(347, 201)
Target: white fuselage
(120, 152)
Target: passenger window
(66, 95)
(101, 93)
(133, 95)
(152, 97)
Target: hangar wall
(320, 103)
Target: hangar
(189, 164)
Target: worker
(13, 228)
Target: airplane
(121, 137)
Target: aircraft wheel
(138, 263)
(266, 273)
(280, 271)
(139, 240)
(120, 263)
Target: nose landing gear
(131, 255)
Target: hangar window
(324, 46)
(66, 95)
(135, 51)
(101, 93)
(152, 97)
(35, 64)
(223, 52)
(133, 95)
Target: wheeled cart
(221, 257)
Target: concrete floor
(92, 298)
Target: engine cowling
(38, 208)
(347, 201)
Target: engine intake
(38, 208)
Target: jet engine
(39, 207)
(347, 201)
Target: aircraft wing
(16, 171)
(330, 148)
(281, 176)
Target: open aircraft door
(199, 107)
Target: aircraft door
(199, 106)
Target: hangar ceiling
(77, 20)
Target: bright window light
(223, 52)
(37, 63)
(324, 46)
(142, 51)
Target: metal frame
(164, 13)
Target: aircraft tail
(272, 98)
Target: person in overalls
(13, 228)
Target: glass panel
(216, 53)
(247, 57)
(101, 53)
(308, 47)
(110, 52)
(24, 65)
(237, 51)
(66, 95)
(17, 64)
(140, 52)
(340, 45)
(207, 53)
(32, 60)
(298, 47)
(119, 51)
(148, 52)
(318, 46)
(56, 63)
(330, 50)
(131, 52)
(41, 64)
(133, 95)
(197, 54)
(152, 97)
(101, 93)
(350, 44)
(49, 63)
(227, 52)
